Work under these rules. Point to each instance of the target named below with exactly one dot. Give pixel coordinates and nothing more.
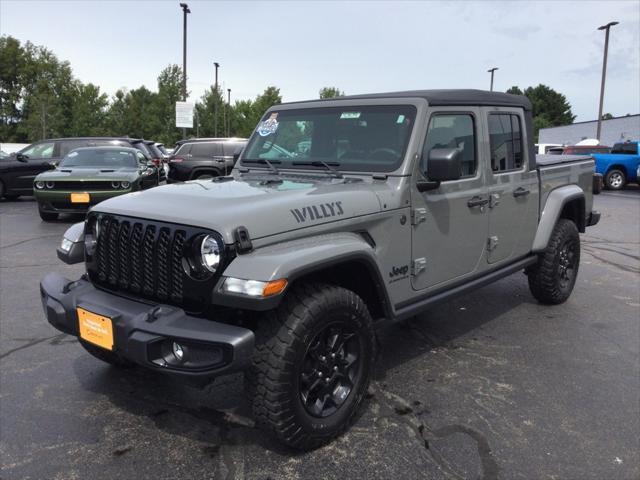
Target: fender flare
(295, 259)
(556, 201)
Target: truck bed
(559, 170)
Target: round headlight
(125, 185)
(50, 184)
(39, 184)
(115, 184)
(210, 253)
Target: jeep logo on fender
(395, 271)
(316, 212)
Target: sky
(357, 46)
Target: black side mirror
(21, 157)
(443, 164)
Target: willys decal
(317, 212)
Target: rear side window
(505, 139)
(67, 145)
(206, 149)
(628, 148)
(453, 131)
(230, 148)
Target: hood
(101, 174)
(265, 204)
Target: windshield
(100, 158)
(359, 138)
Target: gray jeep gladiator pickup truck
(339, 214)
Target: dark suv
(204, 158)
(18, 170)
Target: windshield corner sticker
(317, 212)
(269, 126)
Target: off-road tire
(615, 179)
(284, 340)
(106, 356)
(2, 189)
(48, 216)
(562, 255)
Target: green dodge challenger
(86, 176)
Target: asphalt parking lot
(489, 386)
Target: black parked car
(204, 158)
(19, 169)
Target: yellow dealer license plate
(95, 328)
(80, 197)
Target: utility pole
(604, 73)
(185, 12)
(229, 115)
(215, 103)
(491, 71)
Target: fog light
(178, 351)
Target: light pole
(491, 71)
(185, 12)
(229, 116)
(604, 73)
(215, 103)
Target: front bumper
(139, 329)
(58, 201)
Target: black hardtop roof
(211, 140)
(126, 139)
(107, 147)
(449, 97)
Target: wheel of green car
(106, 356)
(552, 279)
(312, 365)
(48, 216)
(615, 179)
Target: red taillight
(156, 161)
(176, 160)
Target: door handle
(521, 192)
(477, 202)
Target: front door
(450, 223)
(513, 187)
(36, 159)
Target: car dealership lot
(491, 385)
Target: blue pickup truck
(620, 166)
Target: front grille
(148, 259)
(83, 185)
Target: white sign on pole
(184, 114)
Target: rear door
(450, 223)
(512, 184)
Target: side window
(206, 149)
(505, 139)
(453, 131)
(183, 149)
(141, 158)
(39, 150)
(67, 145)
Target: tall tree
(169, 92)
(330, 92)
(550, 108)
(88, 113)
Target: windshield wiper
(320, 163)
(265, 162)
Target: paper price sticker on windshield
(349, 115)
(269, 126)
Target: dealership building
(617, 129)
